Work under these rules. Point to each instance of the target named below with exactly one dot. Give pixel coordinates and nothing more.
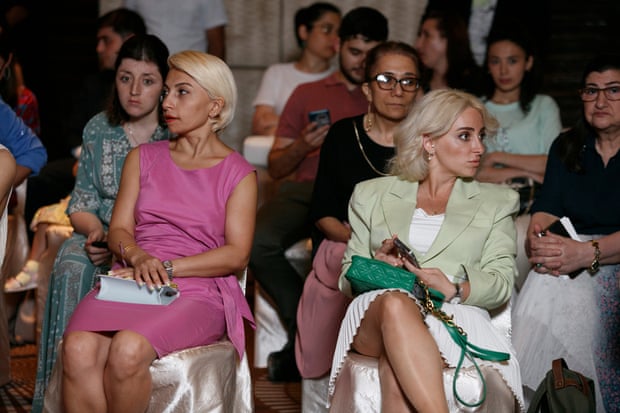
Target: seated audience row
(283, 220)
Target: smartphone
(557, 228)
(321, 117)
(406, 252)
(99, 244)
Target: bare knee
(395, 306)
(130, 354)
(79, 352)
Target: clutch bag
(127, 290)
(366, 274)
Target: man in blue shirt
(27, 149)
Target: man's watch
(594, 267)
(456, 299)
(169, 269)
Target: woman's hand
(148, 270)
(98, 255)
(556, 255)
(387, 252)
(433, 278)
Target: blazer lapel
(462, 206)
(398, 206)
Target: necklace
(359, 142)
(132, 139)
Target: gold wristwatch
(594, 267)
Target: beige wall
(260, 32)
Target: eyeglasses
(589, 94)
(389, 82)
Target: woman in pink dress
(185, 209)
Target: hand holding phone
(99, 244)
(320, 117)
(557, 228)
(406, 252)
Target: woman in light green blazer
(464, 237)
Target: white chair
(209, 379)
(358, 391)
(314, 395)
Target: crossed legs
(410, 366)
(106, 373)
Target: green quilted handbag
(367, 274)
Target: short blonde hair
(432, 116)
(214, 76)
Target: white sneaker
(25, 280)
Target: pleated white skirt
(475, 321)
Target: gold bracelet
(595, 265)
(128, 248)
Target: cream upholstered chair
(206, 379)
(270, 333)
(357, 386)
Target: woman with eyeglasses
(316, 31)
(354, 150)
(577, 317)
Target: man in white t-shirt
(186, 24)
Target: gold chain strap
(429, 307)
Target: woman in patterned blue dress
(134, 117)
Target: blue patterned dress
(104, 148)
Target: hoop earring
(368, 123)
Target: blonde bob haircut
(432, 116)
(214, 76)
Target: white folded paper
(568, 225)
(127, 290)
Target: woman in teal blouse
(529, 122)
(134, 117)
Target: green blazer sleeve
(477, 237)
